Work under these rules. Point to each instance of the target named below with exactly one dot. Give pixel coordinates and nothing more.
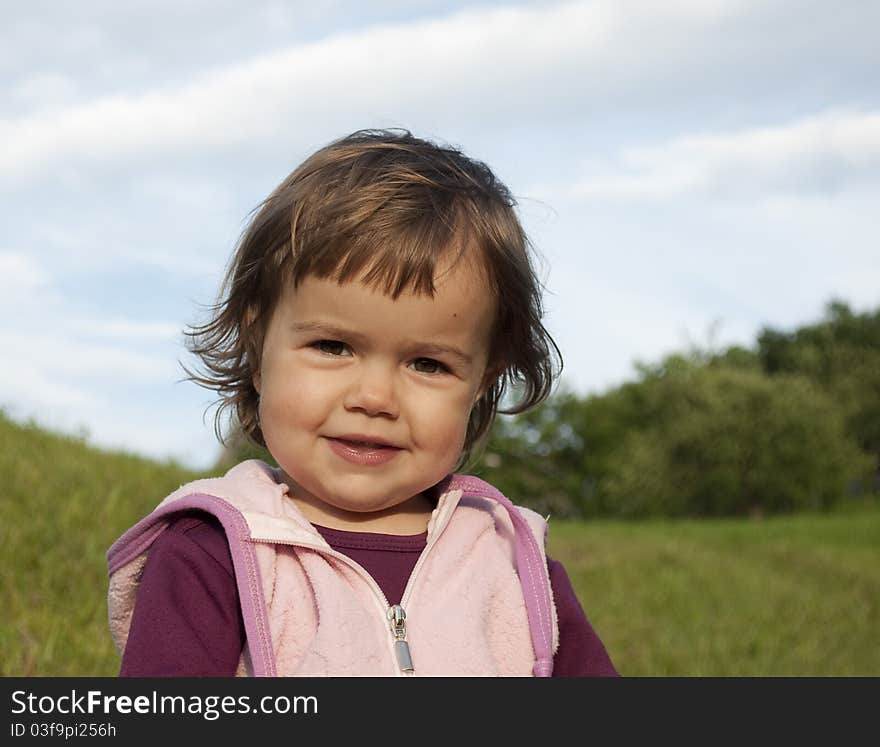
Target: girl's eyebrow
(332, 331)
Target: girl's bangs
(392, 261)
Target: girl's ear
(489, 378)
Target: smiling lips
(364, 451)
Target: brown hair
(382, 206)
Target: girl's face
(365, 400)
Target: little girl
(378, 306)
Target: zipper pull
(397, 618)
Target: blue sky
(688, 170)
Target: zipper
(395, 614)
(397, 618)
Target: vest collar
(288, 525)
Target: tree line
(792, 423)
(789, 424)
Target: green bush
(841, 354)
(720, 441)
(690, 438)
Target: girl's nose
(372, 391)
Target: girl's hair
(381, 206)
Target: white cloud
(19, 274)
(185, 193)
(28, 386)
(65, 357)
(128, 330)
(56, 354)
(46, 90)
(824, 153)
(491, 62)
(30, 300)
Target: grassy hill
(62, 504)
(786, 596)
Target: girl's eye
(330, 347)
(428, 366)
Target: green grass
(787, 596)
(62, 504)
(784, 596)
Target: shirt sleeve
(187, 620)
(581, 653)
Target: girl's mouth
(363, 453)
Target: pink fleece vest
(477, 603)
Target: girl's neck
(408, 518)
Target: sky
(689, 172)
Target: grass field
(794, 596)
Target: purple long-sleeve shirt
(187, 620)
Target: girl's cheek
(308, 383)
(449, 424)
(292, 398)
